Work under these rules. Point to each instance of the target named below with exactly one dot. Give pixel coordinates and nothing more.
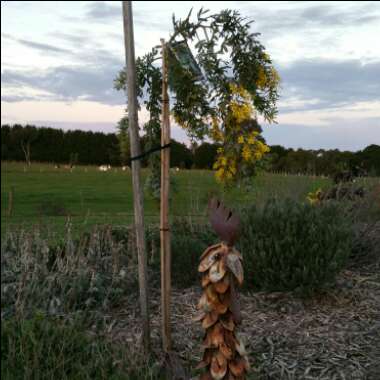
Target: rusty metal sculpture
(221, 267)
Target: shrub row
(286, 246)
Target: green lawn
(43, 194)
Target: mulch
(333, 335)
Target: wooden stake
(136, 169)
(164, 214)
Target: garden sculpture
(221, 267)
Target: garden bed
(335, 335)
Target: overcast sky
(59, 59)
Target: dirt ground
(335, 335)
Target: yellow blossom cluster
(242, 146)
(225, 166)
(252, 148)
(267, 78)
(240, 106)
(314, 197)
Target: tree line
(30, 143)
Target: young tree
(231, 79)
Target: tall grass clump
(289, 245)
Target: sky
(59, 59)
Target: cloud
(43, 47)
(293, 16)
(149, 19)
(67, 83)
(326, 84)
(102, 11)
(79, 38)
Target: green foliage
(46, 348)
(188, 240)
(288, 245)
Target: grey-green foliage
(49, 348)
(91, 274)
(293, 246)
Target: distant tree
(180, 155)
(370, 159)
(25, 136)
(5, 134)
(205, 155)
(123, 137)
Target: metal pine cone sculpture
(221, 267)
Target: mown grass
(45, 195)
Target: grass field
(43, 194)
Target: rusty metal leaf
(216, 335)
(228, 322)
(210, 319)
(237, 367)
(224, 222)
(209, 249)
(206, 360)
(226, 351)
(217, 271)
(198, 316)
(222, 285)
(214, 301)
(218, 370)
(234, 264)
(230, 339)
(204, 304)
(209, 260)
(205, 280)
(222, 361)
(239, 346)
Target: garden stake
(221, 267)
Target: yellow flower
(261, 78)
(241, 139)
(246, 153)
(219, 175)
(251, 140)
